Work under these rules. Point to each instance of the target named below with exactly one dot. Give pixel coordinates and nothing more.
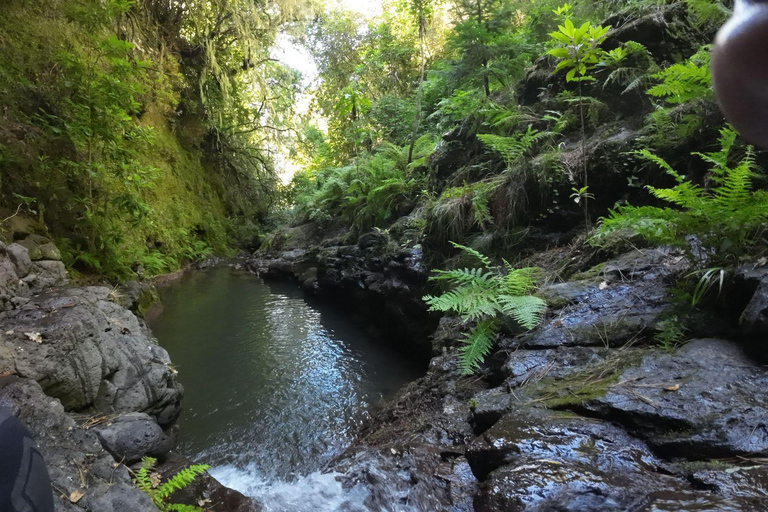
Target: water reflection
(273, 384)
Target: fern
(485, 295)
(707, 12)
(159, 493)
(477, 345)
(515, 147)
(725, 219)
(690, 80)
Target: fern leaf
(477, 345)
(481, 257)
(181, 480)
(526, 309)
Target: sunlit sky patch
(298, 58)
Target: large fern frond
(181, 480)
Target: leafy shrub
(486, 295)
(149, 483)
(725, 219)
(366, 193)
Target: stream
(275, 384)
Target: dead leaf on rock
(34, 336)
(9, 333)
(204, 502)
(155, 479)
(603, 285)
(672, 388)
(76, 496)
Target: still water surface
(275, 384)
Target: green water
(275, 384)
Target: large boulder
(133, 436)
(90, 353)
(619, 301)
(19, 256)
(40, 248)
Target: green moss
(693, 466)
(585, 384)
(570, 394)
(592, 273)
(147, 299)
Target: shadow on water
(275, 385)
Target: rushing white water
(311, 493)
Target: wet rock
(747, 482)
(754, 319)
(91, 353)
(489, 406)
(540, 460)
(120, 497)
(416, 475)
(562, 294)
(206, 489)
(19, 256)
(638, 263)
(75, 459)
(625, 306)
(132, 436)
(530, 366)
(707, 400)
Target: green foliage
(671, 334)
(365, 193)
(725, 218)
(131, 162)
(485, 295)
(686, 81)
(158, 492)
(515, 147)
(631, 65)
(579, 49)
(708, 12)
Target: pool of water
(275, 384)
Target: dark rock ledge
(83, 374)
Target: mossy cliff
(104, 139)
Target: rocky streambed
(585, 413)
